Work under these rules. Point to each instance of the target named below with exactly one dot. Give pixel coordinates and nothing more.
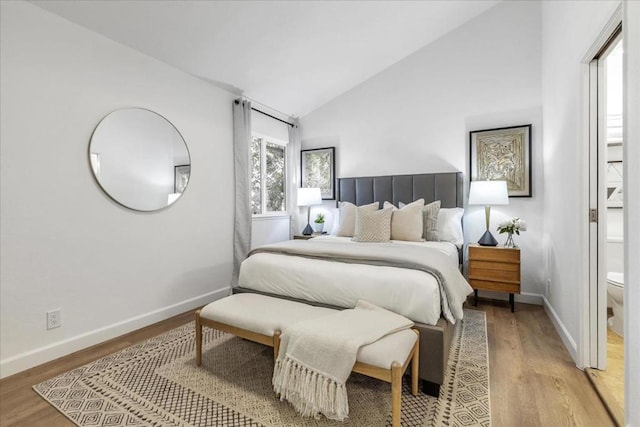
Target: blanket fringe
(310, 392)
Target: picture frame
(181, 176)
(317, 170)
(502, 154)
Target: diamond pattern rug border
(128, 388)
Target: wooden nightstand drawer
(512, 288)
(494, 254)
(502, 266)
(494, 275)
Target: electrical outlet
(54, 319)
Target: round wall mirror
(139, 159)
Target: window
(268, 175)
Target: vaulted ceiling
(292, 56)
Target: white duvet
(411, 293)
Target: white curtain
(241, 155)
(293, 176)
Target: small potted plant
(515, 225)
(319, 221)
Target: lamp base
(308, 231)
(487, 239)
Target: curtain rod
(237, 101)
(273, 117)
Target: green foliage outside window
(268, 171)
(256, 176)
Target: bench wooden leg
(415, 362)
(276, 345)
(198, 339)
(396, 393)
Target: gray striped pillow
(430, 221)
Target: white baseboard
(35, 357)
(566, 337)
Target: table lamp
(309, 197)
(488, 193)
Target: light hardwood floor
(534, 382)
(610, 383)
(614, 374)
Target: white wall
(64, 243)
(415, 116)
(265, 125)
(269, 229)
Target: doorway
(606, 233)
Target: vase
(509, 243)
(319, 227)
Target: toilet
(615, 290)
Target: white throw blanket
(316, 357)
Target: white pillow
(335, 220)
(429, 220)
(372, 226)
(450, 225)
(406, 222)
(347, 224)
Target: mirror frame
(112, 197)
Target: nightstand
(307, 237)
(302, 237)
(494, 268)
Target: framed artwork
(317, 168)
(181, 178)
(503, 154)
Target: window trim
(264, 139)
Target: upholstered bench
(261, 319)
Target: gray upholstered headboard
(446, 187)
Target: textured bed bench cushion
(260, 314)
(261, 318)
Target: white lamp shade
(488, 193)
(309, 196)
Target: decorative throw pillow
(450, 226)
(372, 226)
(430, 221)
(406, 222)
(347, 223)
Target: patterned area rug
(156, 383)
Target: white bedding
(411, 293)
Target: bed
(307, 270)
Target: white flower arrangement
(515, 225)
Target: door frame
(593, 333)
